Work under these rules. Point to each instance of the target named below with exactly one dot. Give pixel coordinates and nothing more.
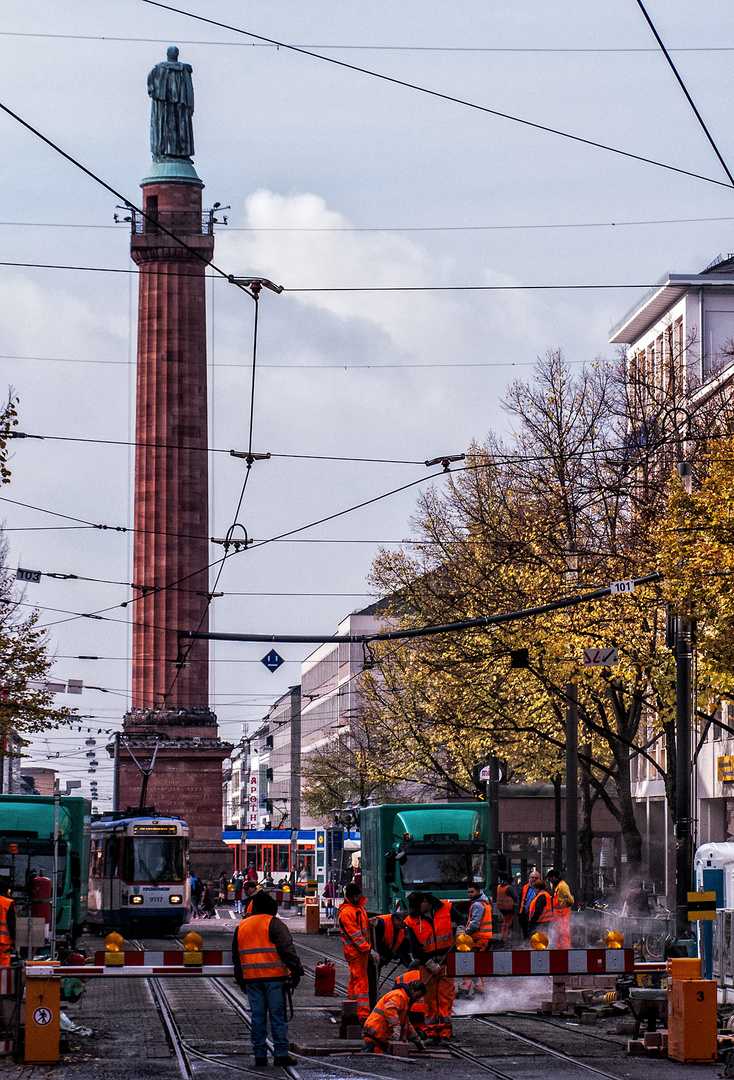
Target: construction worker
(526, 897)
(266, 966)
(562, 904)
(388, 1022)
(431, 923)
(7, 925)
(540, 910)
(507, 900)
(355, 933)
(479, 927)
(417, 1011)
(389, 941)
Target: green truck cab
(433, 847)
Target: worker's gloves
(293, 979)
(417, 1042)
(434, 967)
(375, 957)
(460, 930)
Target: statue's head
(172, 53)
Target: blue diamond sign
(272, 661)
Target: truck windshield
(443, 866)
(154, 859)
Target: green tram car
(432, 847)
(27, 851)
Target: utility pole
(116, 775)
(683, 697)
(572, 787)
(493, 801)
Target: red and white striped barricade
(541, 962)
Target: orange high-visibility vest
(434, 932)
(524, 902)
(504, 900)
(483, 934)
(354, 928)
(546, 914)
(5, 905)
(258, 956)
(392, 940)
(390, 1013)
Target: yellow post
(42, 1012)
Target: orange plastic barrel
(324, 979)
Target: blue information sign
(272, 661)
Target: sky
(336, 180)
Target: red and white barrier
(542, 962)
(147, 962)
(7, 980)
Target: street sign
(485, 773)
(272, 661)
(603, 657)
(28, 575)
(617, 587)
(701, 905)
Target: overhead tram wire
(435, 93)
(396, 228)
(683, 87)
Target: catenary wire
(394, 228)
(436, 94)
(371, 48)
(683, 87)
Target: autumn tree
(26, 707)
(568, 504)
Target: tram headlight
(136, 899)
(175, 898)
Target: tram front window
(153, 858)
(443, 867)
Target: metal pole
(55, 882)
(493, 799)
(683, 685)
(116, 775)
(572, 788)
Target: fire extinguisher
(41, 899)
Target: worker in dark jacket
(431, 923)
(265, 965)
(391, 944)
(540, 910)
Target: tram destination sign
(154, 830)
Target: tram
(139, 874)
(28, 852)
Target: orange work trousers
(439, 1002)
(507, 920)
(562, 928)
(358, 984)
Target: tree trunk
(586, 833)
(626, 817)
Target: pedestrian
(479, 927)
(251, 871)
(431, 923)
(237, 883)
(249, 890)
(197, 888)
(540, 910)
(507, 901)
(636, 899)
(7, 925)
(223, 883)
(355, 935)
(267, 967)
(526, 897)
(389, 1023)
(207, 902)
(563, 901)
(391, 943)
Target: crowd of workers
(418, 1004)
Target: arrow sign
(604, 657)
(272, 661)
